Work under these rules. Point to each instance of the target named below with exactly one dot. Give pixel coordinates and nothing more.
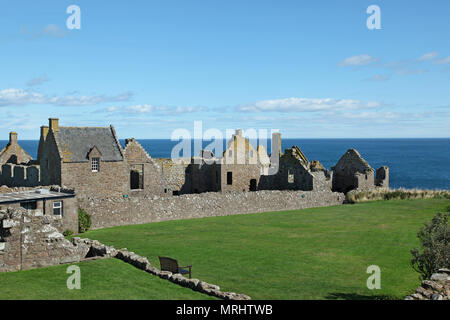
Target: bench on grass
(169, 264)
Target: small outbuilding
(59, 205)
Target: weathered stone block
(8, 223)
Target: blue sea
(413, 163)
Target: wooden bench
(169, 264)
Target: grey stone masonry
(436, 288)
(29, 240)
(108, 212)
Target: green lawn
(319, 253)
(100, 279)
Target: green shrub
(435, 241)
(84, 221)
(68, 233)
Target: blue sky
(307, 68)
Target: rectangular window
(95, 164)
(58, 208)
(290, 177)
(32, 205)
(229, 178)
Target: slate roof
(14, 197)
(75, 143)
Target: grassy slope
(100, 279)
(319, 253)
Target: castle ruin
(91, 162)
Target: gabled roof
(10, 150)
(131, 144)
(94, 150)
(352, 162)
(75, 143)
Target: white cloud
(146, 108)
(443, 60)
(37, 32)
(15, 97)
(379, 77)
(410, 71)
(368, 115)
(54, 31)
(307, 105)
(428, 56)
(361, 60)
(405, 68)
(152, 109)
(37, 81)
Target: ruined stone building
(13, 152)
(144, 172)
(17, 167)
(91, 161)
(29, 239)
(353, 172)
(297, 173)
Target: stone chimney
(238, 132)
(44, 132)
(54, 124)
(276, 143)
(12, 138)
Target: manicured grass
(320, 253)
(100, 279)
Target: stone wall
(12, 175)
(437, 288)
(175, 179)
(204, 177)
(382, 177)
(241, 177)
(109, 212)
(49, 160)
(149, 170)
(29, 240)
(112, 179)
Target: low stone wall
(98, 249)
(437, 288)
(111, 212)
